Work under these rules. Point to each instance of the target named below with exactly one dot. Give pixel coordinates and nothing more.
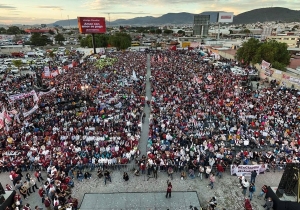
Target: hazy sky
(48, 11)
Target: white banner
(21, 95)
(25, 114)
(265, 65)
(47, 71)
(245, 170)
(45, 93)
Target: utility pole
(108, 19)
(69, 22)
(219, 32)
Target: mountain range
(252, 16)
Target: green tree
(120, 40)
(51, 32)
(167, 31)
(245, 31)
(181, 32)
(18, 64)
(272, 51)
(14, 30)
(158, 31)
(2, 30)
(275, 53)
(152, 31)
(51, 54)
(37, 39)
(101, 40)
(59, 38)
(248, 50)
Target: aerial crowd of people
(202, 119)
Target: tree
(51, 32)
(101, 40)
(37, 39)
(245, 31)
(152, 31)
(59, 38)
(230, 31)
(275, 53)
(272, 51)
(248, 50)
(120, 40)
(18, 64)
(51, 55)
(181, 32)
(167, 31)
(158, 31)
(13, 30)
(2, 30)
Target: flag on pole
(6, 116)
(1, 120)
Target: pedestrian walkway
(145, 126)
(148, 200)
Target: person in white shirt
(117, 148)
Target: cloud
(7, 7)
(50, 7)
(24, 20)
(110, 4)
(130, 13)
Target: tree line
(253, 51)
(119, 40)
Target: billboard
(91, 25)
(225, 17)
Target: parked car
(14, 71)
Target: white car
(2, 70)
(14, 71)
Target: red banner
(91, 25)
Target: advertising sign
(245, 170)
(91, 25)
(225, 17)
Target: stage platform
(283, 203)
(140, 201)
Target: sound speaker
(279, 193)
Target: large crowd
(203, 117)
(87, 117)
(90, 117)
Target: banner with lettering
(45, 93)
(294, 80)
(21, 95)
(25, 114)
(245, 170)
(265, 65)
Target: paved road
(226, 189)
(145, 126)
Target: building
(267, 31)
(201, 25)
(291, 41)
(189, 41)
(14, 48)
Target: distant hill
(268, 14)
(253, 16)
(169, 18)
